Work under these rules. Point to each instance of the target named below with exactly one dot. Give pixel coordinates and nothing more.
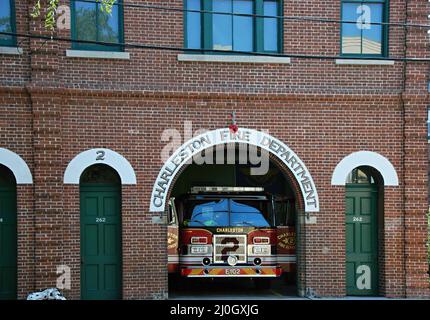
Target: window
(90, 23)
(360, 37)
(220, 31)
(100, 174)
(227, 212)
(361, 175)
(7, 22)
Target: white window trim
(97, 54)
(232, 58)
(366, 62)
(11, 50)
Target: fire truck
(231, 232)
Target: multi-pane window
(218, 28)
(7, 22)
(359, 35)
(91, 23)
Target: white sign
(194, 146)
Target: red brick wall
(53, 107)
(416, 101)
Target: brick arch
(300, 177)
(291, 180)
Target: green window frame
(5, 40)
(97, 47)
(206, 27)
(384, 28)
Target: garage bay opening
(232, 233)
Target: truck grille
(229, 244)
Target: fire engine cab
(231, 232)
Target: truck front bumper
(234, 272)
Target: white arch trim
(109, 157)
(17, 165)
(365, 158)
(184, 154)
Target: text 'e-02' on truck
(231, 232)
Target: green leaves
(36, 10)
(50, 14)
(51, 11)
(106, 5)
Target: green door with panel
(361, 239)
(101, 250)
(8, 242)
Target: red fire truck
(231, 232)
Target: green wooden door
(101, 250)
(8, 242)
(361, 240)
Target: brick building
(66, 109)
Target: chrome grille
(229, 244)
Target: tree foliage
(51, 10)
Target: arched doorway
(101, 240)
(8, 235)
(363, 206)
(231, 184)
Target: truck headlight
(199, 249)
(261, 250)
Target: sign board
(183, 155)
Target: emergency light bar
(226, 189)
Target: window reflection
(372, 37)
(360, 36)
(5, 21)
(227, 28)
(193, 25)
(243, 32)
(351, 35)
(93, 24)
(86, 23)
(360, 175)
(270, 26)
(222, 25)
(108, 25)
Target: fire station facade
(83, 131)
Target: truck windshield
(226, 213)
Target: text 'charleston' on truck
(232, 232)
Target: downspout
(29, 94)
(403, 112)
